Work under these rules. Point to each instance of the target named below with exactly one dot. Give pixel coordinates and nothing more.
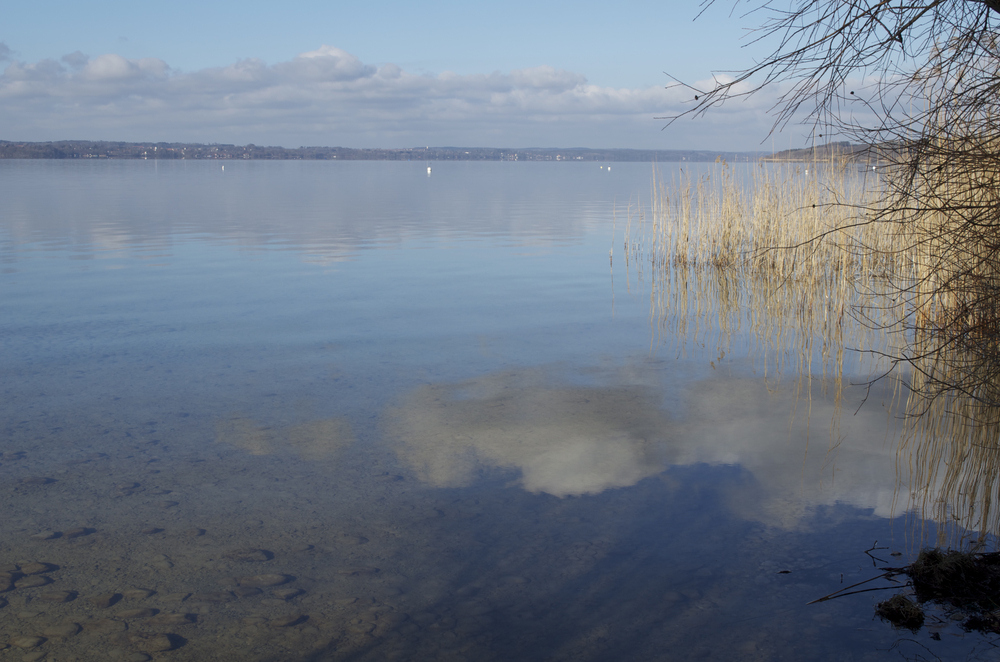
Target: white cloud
(324, 65)
(329, 96)
(5, 52)
(76, 59)
(546, 78)
(116, 68)
(44, 71)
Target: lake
(364, 411)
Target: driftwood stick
(836, 594)
(864, 590)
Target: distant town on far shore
(88, 149)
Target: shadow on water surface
(730, 591)
(668, 564)
(600, 578)
(385, 547)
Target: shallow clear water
(353, 411)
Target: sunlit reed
(776, 256)
(823, 279)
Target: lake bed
(325, 411)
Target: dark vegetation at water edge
(966, 585)
(87, 149)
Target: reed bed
(785, 221)
(949, 209)
(775, 254)
(819, 272)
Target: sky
(377, 74)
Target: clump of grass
(901, 612)
(965, 580)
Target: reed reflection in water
(801, 267)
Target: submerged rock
(77, 532)
(104, 600)
(162, 562)
(214, 597)
(26, 641)
(263, 580)
(117, 654)
(57, 596)
(46, 535)
(104, 626)
(359, 571)
(32, 581)
(287, 621)
(246, 591)
(171, 620)
(179, 596)
(249, 555)
(37, 480)
(36, 568)
(254, 621)
(354, 540)
(62, 631)
(155, 643)
(143, 612)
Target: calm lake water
(353, 411)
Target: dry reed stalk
(779, 248)
(951, 444)
(808, 268)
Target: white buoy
(223, 168)
(428, 170)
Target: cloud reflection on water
(565, 440)
(802, 452)
(570, 440)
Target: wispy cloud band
(328, 96)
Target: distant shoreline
(104, 149)
(87, 149)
